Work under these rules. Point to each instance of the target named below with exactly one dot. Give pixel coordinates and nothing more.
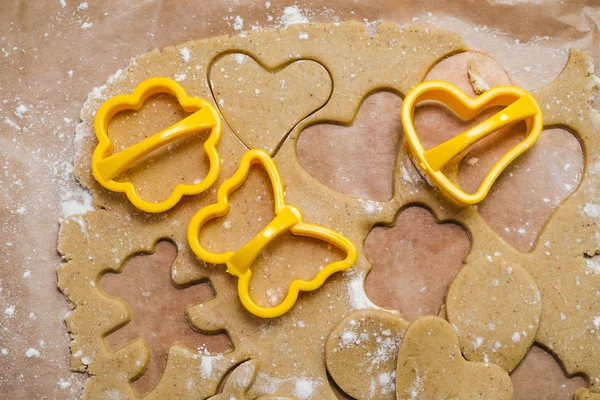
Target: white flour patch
(238, 23)
(74, 202)
(593, 265)
(63, 384)
(370, 206)
(240, 58)
(293, 15)
(185, 54)
(303, 36)
(31, 352)
(11, 123)
(304, 388)
(20, 111)
(592, 210)
(357, 295)
(516, 337)
(9, 311)
(406, 175)
(206, 366)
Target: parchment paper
(54, 52)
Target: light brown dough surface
(362, 353)
(503, 325)
(430, 366)
(262, 106)
(296, 367)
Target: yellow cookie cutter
(287, 218)
(520, 105)
(106, 165)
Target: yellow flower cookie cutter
(520, 106)
(106, 165)
(287, 218)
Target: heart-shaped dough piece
(430, 366)
(495, 309)
(262, 105)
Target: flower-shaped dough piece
(239, 382)
(520, 105)
(431, 366)
(495, 309)
(287, 218)
(361, 353)
(106, 166)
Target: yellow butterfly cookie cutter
(520, 106)
(106, 165)
(287, 218)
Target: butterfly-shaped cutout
(519, 106)
(287, 219)
(106, 166)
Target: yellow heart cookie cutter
(287, 218)
(520, 106)
(106, 165)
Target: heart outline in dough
(248, 98)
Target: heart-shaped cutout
(431, 366)
(556, 158)
(263, 105)
(520, 106)
(356, 159)
(287, 219)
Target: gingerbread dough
(395, 59)
(362, 353)
(430, 366)
(508, 301)
(239, 381)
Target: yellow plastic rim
(287, 218)
(520, 106)
(106, 165)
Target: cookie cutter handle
(111, 166)
(440, 155)
(242, 259)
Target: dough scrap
(430, 366)
(394, 59)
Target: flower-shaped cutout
(287, 219)
(519, 106)
(106, 165)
